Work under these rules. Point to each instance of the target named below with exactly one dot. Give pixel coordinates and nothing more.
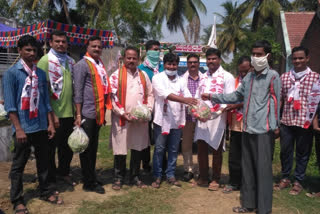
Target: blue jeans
(290, 135)
(163, 142)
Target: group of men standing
(46, 100)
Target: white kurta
(134, 135)
(212, 131)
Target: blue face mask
(153, 57)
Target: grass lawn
(133, 200)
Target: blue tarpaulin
(4, 27)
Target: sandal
(202, 183)
(139, 184)
(117, 185)
(172, 181)
(156, 183)
(56, 199)
(213, 186)
(229, 189)
(243, 210)
(21, 210)
(313, 195)
(284, 183)
(296, 189)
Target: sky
(213, 6)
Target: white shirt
(162, 88)
(212, 131)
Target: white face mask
(170, 73)
(259, 63)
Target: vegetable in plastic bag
(200, 111)
(141, 112)
(3, 113)
(78, 141)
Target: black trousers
(21, 153)
(257, 179)
(290, 137)
(235, 158)
(120, 166)
(60, 142)
(89, 156)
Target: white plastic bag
(141, 112)
(78, 141)
(3, 113)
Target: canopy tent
(4, 27)
(42, 31)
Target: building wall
(311, 41)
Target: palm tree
(305, 5)
(175, 12)
(233, 27)
(32, 4)
(265, 11)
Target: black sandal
(243, 210)
(117, 185)
(24, 211)
(156, 183)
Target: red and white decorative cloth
(295, 95)
(55, 73)
(148, 64)
(30, 91)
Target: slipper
(284, 183)
(313, 195)
(229, 189)
(139, 184)
(156, 183)
(202, 183)
(296, 189)
(57, 200)
(172, 181)
(243, 210)
(213, 186)
(117, 185)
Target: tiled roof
(297, 25)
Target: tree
(233, 27)
(35, 4)
(175, 12)
(265, 11)
(130, 19)
(305, 5)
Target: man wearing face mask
(211, 132)
(171, 95)
(299, 107)
(58, 67)
(151, 66)
(260, 93)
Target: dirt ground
(193, 200)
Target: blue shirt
(13, 82)
(150, 71)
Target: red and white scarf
(313, 100)
(213, 83)
(238, 112)
(294, 91)
(101, 71)
(56, 73)
(30, 91)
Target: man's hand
(232, 106)
(190, 101)
(51, 131)
(56, 121)
(127, 116)
(21, 136)
(205, 96)
(77, 122)
(276, 133)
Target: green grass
(134, 200)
